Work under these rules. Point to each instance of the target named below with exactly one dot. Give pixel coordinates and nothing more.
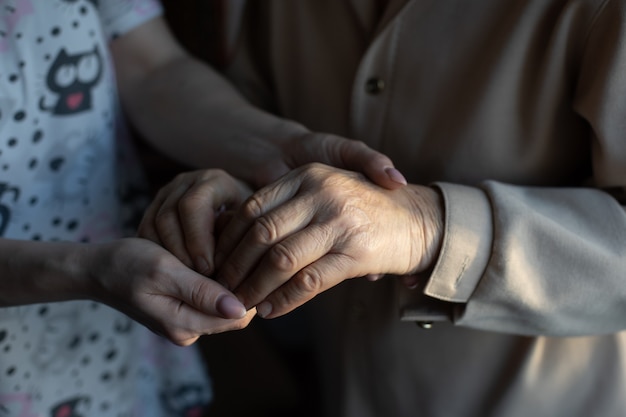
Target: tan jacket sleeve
(549, 261)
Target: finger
(185, 324)
(207, 296)
(167, 223)
(147, 228)
(183, 304)
(267, 231)
(250, 212)
(197, 215)
(359, 157)
(283, 261)
(373, 277)
(352, 155)
(312, 280)
(160, 222)
(229, 325)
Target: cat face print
(72, 408)
(72, 78)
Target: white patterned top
(68, 173)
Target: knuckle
(337, 184)
(201, 295)
(314, 169)
(150, 270)
(282, 258)
(252, 208)
(191, 202)
(264, 230)
(308, 281)
(365, 252)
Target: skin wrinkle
(422, 214)
(282, 258)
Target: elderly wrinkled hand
(318, 226)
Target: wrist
(287, 139)
(428, 218)
(37, 272)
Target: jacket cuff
(466, 247)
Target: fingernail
(264, 309)
(395, 176)
(230, 308)
(373, 277)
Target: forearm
(189, 112)
(192, 114)
(36, 272)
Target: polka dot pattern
(66, 170)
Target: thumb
(208, 296)
(348, 154)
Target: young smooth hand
(149, 284)
(135, 276)
(335, 151)
(318, 226)
(183, 215)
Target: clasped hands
(308, 231)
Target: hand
(318, 226)
(335, 151)
(183, 215)
(149, 284)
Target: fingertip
(264, 309)
(385, 176)
(230, 307)
(373, 277)
(395, 176)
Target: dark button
(375, 85)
